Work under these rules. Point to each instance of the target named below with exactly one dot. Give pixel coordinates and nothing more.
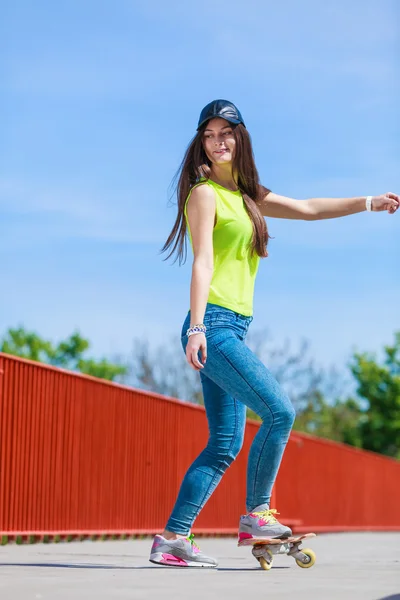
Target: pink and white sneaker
(262, 524)
(183, 552)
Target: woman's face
(218, 141)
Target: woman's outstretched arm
(314, 209)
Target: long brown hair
(196, 165)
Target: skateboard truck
(264, 550)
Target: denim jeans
(233, 378)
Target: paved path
(350, 566)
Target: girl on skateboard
(221, 206)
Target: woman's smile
(221, 151)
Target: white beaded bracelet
(368, 203)
(201, 328)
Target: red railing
(80, 455)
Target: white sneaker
(262, 525)
(182, 552)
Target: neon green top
(235, 270)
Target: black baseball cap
(223, 109)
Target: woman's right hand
(196, 342)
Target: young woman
(222, 205)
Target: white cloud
(62, 213)
(275, 39)
(83, 78)
(28, 198)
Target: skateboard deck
(272, 541)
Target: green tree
(337, 421)
(68, 354)
(379, 385)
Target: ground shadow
(132, 568)
(68, 566)
(393, 597)
(249, 569)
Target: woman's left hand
(388, 201)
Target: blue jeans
(232, 379)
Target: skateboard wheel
(264, 563)
(311, 559)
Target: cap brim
(230, 119)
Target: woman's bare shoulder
(202, 197)
(203, 190)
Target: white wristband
(368, 203)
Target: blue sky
(98, 102)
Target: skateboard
(264, 549)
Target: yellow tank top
(235, 270)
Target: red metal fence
(81, 455)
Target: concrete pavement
(350, 566)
